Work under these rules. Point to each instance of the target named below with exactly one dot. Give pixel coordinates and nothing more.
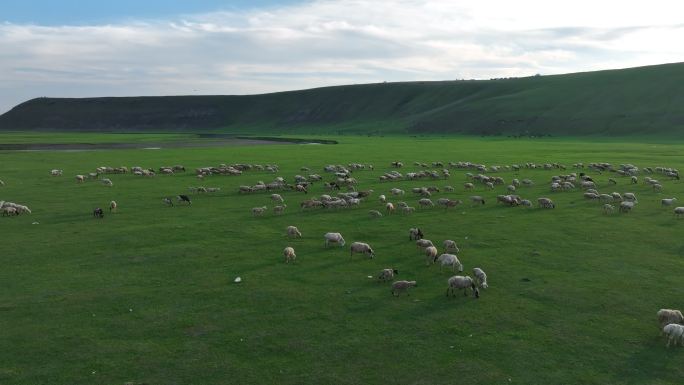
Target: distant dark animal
(98, 213)
(167, 201)
(184, 198)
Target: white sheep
(259, 211)
(360, 247)
(679, 211)
(389, 207)
(480, 277)
(425, 202)
(334, 238)
(277, 198)
(56, 172)
(674, 333)
(2, 183)
(430, 255)
(476, 199)
(107, 182)
(80, 178)
(450, 247)
(608, 208)
(396, 191)
(279, 209)
(668, 202)
(449, 260)
(669, 316)
(458, 282)
(626, 206)
(375, 214)
(630, 197)
(387, 274)
(408, 210)
(546, 203)
(423, 243)
(113, 206)
(293, 232)
(400, 286)
(382, 198)
(415, 233)
(289, 254)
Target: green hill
(635, 101)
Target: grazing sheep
(616, 196)
(113, 206)
(423, 243)
(390, 208)
(657, 187)
(425, 202)
(448, 189)
(634, 179)
(184, 198)
(480, 277)
(546, 203)
(668, 202)
(387, 274)
(674, 333)
(608, 208)
(450, 247)
(449, 260)
(458, 282)
(510, 188)
(476, 199)
(277, 198)
(526, 203)
(630, 197)
(382, 198)
(107, 182)
(8, 211)
(408, 210)
(396, 191)
(679, 211)
(669, 316)
(289, 254)
(259, 211)
(468, 186)
(430, 255)
(415, 234)
(80, 178)
(2, 183)
(56, 172)
(98, 213)
(375, 213)
(293, 232)
(277, 210)
(626, 207)
(400, 286)
(333, 238)
(360, 247)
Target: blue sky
(80, 12)
(88, 48)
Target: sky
(87, 48)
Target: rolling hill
(634, 101)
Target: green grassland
(146, 295)
(645, 101)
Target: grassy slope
(640, 101)
(146, 295)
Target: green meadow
(146, 295)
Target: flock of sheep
(671, 321)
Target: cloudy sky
(79, 48)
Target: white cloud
(335, 42)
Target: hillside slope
(644, 100)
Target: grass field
(147, 295)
